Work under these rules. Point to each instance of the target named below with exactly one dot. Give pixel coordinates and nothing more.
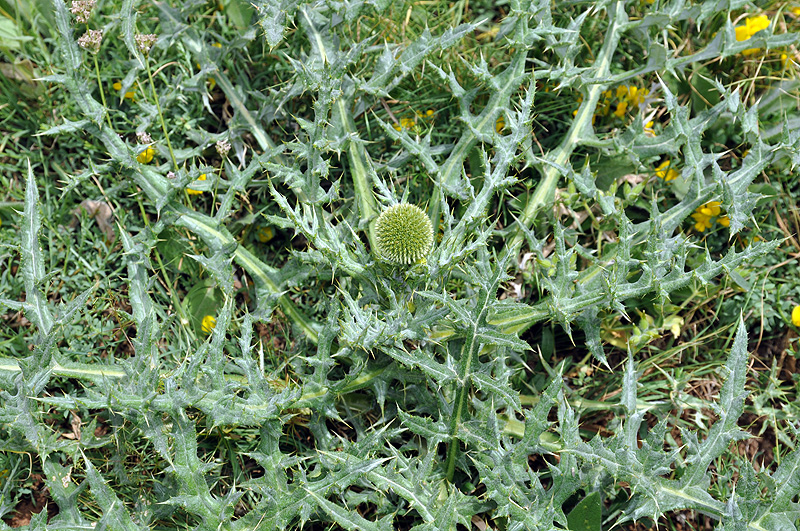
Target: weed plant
(246, 345)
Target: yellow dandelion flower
(192, 191)
(664, 172)
(265, 234)
(208, 324)
(146, 156)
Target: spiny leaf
(32, 264)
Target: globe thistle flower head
(404, 234)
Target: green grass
(571, 332)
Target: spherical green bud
(404, 234)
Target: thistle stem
(102, 92)
(160, 113)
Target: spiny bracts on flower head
(404, 234)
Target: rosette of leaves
(404, 234)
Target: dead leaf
(478, 522)
(75, 424)
(21, 71)
(101, 212)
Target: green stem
(452, 449)
(464, 384)
(160, 113)
(102, 92)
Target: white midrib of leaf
(580, 123)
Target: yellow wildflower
(648, 129)
(429, 113)
(405, 123)
(191, 191)
(208, 324)
(621, 108)
(146, 156)
(500, 124)
(128, 95)
(710, 209)
(796, 316)
(752, 25)
(663, 171)
(796, 11)
(265, 234)
(705, 214)
(637, 95)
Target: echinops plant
(404, 234)
(399, 404)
